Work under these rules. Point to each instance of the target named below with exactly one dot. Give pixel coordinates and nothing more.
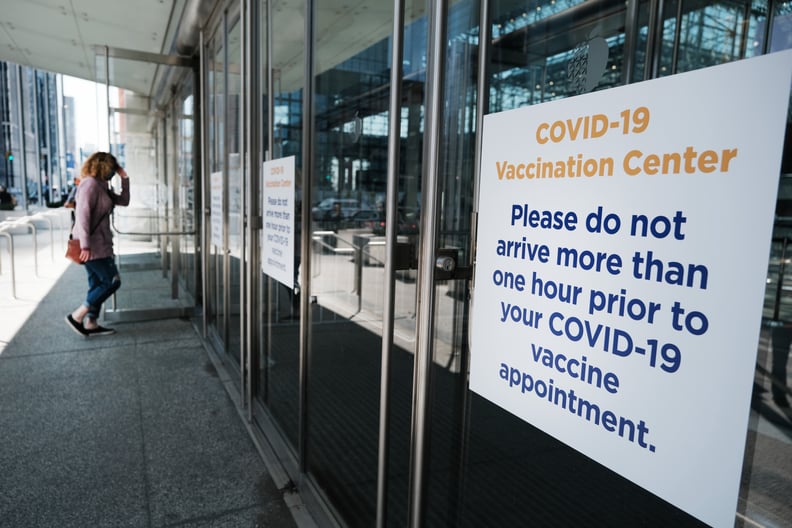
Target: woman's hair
(100, 164)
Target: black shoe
(99, 331)
(77, 327)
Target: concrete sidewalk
(134, 429)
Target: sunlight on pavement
(33, 278)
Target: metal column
(422, 378)
(391, 221)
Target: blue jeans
(103, 281)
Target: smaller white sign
(216, 208)
(278, 210)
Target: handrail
(317, 237)
(149, 233)
(44, 216)
(362, 253)
(27, 221)
(20, 222)
(775, 381)
(776, 321)
(784, 241)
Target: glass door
(278, 376)
(151, 232)
(215, 188)
(225, 187)
(348, 272)
(186, 199)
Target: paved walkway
(134, 429)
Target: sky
(91, 127)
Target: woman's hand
(121, 172)
(85, 255)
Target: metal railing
(9, 228)
(778, 322)
(363, 250)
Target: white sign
(623, 244)
(216, 207)
(278, 210)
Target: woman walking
(95, 201)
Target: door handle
(447, 265)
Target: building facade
(33, 167)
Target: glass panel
(42, 138)
(280, 360)
(148, 154)
(551, 51)
(234, 148)
(42, 109)
(185, 217)
(500, 470)
(186, 197)
(767, 472)
(261, 382)
(555, 50)
(347, 229)
(216, 145)
(410, 171)
(57, 184)
(348, 254)
(709, 34)
(9, 132)
(30, 156)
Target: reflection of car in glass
(323, 210)
(408, 223)
(363, 218)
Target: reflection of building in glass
(70, 138)
(33, 166)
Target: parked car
(363, 219)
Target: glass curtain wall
(533, 51)
(279, 356)
(6, 164)
(54, 182)
(42, 140)
(485, 466)
(215, 189)
(30, 148)
(12, 172)
(767, 468)
(695, 35)
(48, 182)
(352, 89)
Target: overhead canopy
(71, 37)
